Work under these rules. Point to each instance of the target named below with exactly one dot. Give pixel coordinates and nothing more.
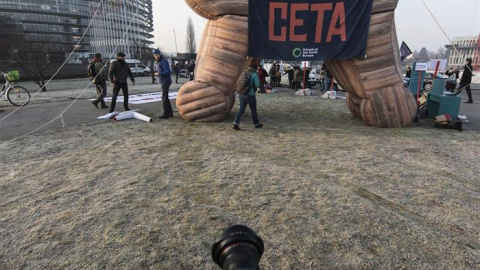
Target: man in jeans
(118, 74)
(161, 69)
(249, 99)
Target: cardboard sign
(433, 64)
(421, 66)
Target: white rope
(455, 48)
(64, 63)
(76, 99)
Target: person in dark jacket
(191, 70)
(176, 69)
(161, 68)
(98, 73)
(272, 72)
(408, 72)
(118, 75)
(466, 79)
(262, 75)
(249, 99)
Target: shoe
(469, 101)
(236, 127)
(104, 107)
(95, 103)
(164, 116)
(259, 126)
(127, 109)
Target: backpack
(91, 70)
(243, 84)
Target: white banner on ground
(143, 98)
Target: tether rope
(449, 40)
(60, 68)
(60, 116)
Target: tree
(34, 58)
(191, 43)
(423, 55)
(441, 53)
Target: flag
(404, 51)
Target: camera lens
(239, 248)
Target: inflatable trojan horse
(374, 84)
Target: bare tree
(423, 55)
(191, 43)
(441, 53)
(34, 58)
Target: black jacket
(467, 74)
(119, 72)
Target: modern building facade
(65, 21)
(466, 47)
(110, 21)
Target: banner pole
(436, 70)
(419, 82)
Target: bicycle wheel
(18, 95)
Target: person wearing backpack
(246, 89)
(98, 74)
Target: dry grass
(322, 190)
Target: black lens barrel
(239, 248)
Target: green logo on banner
(297, 52)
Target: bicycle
(17, 95)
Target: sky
(414, 23)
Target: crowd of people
(119, 72)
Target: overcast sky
(414, 24)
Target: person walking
(278, 75)
(176, 69)
(291, 73)
(191, 70)
(466, 79)
(98, 74)
(298, 77)
(328, 80)
(118, 75)
(161, 69)
(262, 74)
(249, 99)
(272, 73)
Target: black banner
(308, 30)
(404, 51)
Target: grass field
(323, 190)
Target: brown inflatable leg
(220, 61)
(375, 84)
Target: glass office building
(65, 21)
